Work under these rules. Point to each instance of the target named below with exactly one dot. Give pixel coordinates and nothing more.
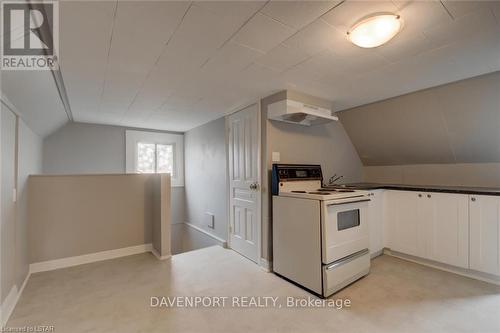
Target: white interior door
(244, 177)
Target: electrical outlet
(210, 220)
(276, 156)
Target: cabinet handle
(428, 195)
(472, 199)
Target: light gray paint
(205, 176)
(327, 145)
(186, 238)
(77, 215)
(21, 151)
(8, 218)
(29, 162)
(460, 174)
(454, 123)
(79, 148)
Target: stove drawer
(345, 271)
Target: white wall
(205, 176)
(79, 148)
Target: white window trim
(132, 138)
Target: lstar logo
(30, 35)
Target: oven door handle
(347, 202)
(347, 259)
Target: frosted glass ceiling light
(375, 30)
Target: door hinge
(230, 228)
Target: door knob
(254, 186)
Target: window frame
(133, 138)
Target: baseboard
(158, 256)
(444, 267)
(88, 258)
(10, 302)
(376, 254)
(266, 265)
(221, 241)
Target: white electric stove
(320, 235)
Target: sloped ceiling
(175, 65)
(34, 96)
(454, 123)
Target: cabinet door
(403, 221)
(376, 220)
(485, 233)
(425, 218)
(448, 236)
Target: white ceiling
(176, 65)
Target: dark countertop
(424, 188)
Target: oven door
(344, 227)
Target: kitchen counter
(424, 188)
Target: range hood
(299, 113)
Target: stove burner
(298, 191)
(319, 192)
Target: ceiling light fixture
(375, 30)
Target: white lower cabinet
(448, 233)
(484, 214)
(402, 221)
(376, 220)
(433, 226)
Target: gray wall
(460, 174)
(29, 163)
(454, 123)
(79, 148)
(21, 151)
(76, 215)
(8, 218)
(205, 176)
(327, 145)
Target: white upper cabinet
(485, 233)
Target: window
(155, 152)
(155, 158)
